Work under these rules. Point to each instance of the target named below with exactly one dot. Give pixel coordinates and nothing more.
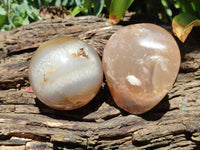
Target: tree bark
(26, 123)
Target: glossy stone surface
(65, 73)
(140, 63)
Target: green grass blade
(87, 4)
(79, 3)
(76, 11)
(98, 7)
(186, 6)
(196, 4)
(3, 15)
(117, 10)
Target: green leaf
(25, 21)
(17, 21)
(71, 4)
(3, 14)
(98, 7)
(90, 7)
(39, 3)
(28, 10)
(49, 1)
(58, 3)
(117, 10)
(182, 25)
(64, 2)
(79, 3)
(196, 5)
(85, 5)
(17, 9)
(76, 11)
(2, 11)
(88, 4)
(166, 8)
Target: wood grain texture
(26, 123)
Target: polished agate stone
(65, 73)
(140, 63)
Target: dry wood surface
(26, 123)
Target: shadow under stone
(155, 113)
(76, 114)
(158, 111)
(103, 96)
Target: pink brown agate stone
(141, 63)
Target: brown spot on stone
(80, 53)
(45, 78)
(51, 71)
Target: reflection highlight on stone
(151, 44)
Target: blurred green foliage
(89, 7)
(14, 13)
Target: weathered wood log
(26, 123)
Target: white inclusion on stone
(163, 64)
(133, 80)
(145, 70)
(151, 44)
(140, 61)
(161, 60)
(156, 58)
